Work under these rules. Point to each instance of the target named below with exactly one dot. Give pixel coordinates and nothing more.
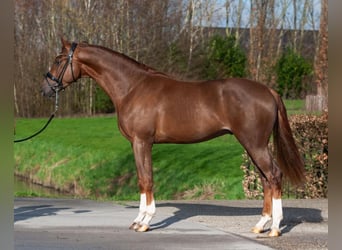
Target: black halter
(59, 80)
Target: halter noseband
(59, 80)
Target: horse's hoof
(274, 233)
(134, 226)
(142, 228)
(257, 230)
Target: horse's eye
(57, 62)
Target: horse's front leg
(143, 160)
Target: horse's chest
(137, 124)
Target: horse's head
(64, 70)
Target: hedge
(311, 135)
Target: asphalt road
(83, 224)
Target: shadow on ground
(27, 212)
(293, 216)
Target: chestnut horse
(153, 107)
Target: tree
(320, 100)
(258, 14)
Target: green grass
(91, 158)
(295, 106)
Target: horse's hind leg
(271, 178)
(267, 207)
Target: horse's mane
(124, 57)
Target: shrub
(225, 58)
(176, 59)
(291, 70)
(103, 104)
(311, 135)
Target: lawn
(295, 106)
(89, 157)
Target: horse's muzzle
(47, 91)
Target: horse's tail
(287, 154)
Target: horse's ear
(65, 43)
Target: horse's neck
(112, 72)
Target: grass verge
(90, 158)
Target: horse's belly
(189, 132)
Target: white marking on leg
(142, 209)
(277, 213)
(150, 212)
(262, 222)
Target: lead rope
(45, 126)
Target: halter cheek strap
(72, 50)
(71, 54)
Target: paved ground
(83, 224)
